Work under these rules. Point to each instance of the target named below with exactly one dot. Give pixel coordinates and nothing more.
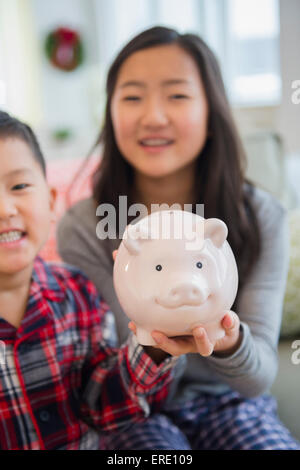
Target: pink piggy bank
(175, 270)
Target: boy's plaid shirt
(63, 384)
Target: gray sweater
(252, 369)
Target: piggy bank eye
(158, 267)
(199, 265)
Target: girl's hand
(233, 337)
(156, 353)
(199, 342)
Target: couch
(271, 169)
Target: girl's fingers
(204, 346)
(114, 254)
(173, 346)
(199, 342)
(132, 326)
(230, 322)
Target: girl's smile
(156, 144)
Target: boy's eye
(131, 98)
(20, 186)
(179, 96)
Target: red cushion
(61, 174)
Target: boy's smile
(26, 206)
(12, 237)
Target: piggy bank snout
(185, 293)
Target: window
(18, 67)
(253, 72)
(244, 34)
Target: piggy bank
(175, 270)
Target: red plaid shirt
(62, 383)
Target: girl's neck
(178, 188)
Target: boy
(62, 382)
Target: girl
(169, 137)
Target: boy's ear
(52, 202)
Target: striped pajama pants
(228, 421)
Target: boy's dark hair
(12, 127)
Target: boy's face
(26, 206)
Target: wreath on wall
(64, 49)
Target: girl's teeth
(155, 142)
(10, 236)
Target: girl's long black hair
(221, 184)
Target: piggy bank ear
(216, 230)
(133, 237)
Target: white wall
(68, 98)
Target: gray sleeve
(78, 245)
(252, 369)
